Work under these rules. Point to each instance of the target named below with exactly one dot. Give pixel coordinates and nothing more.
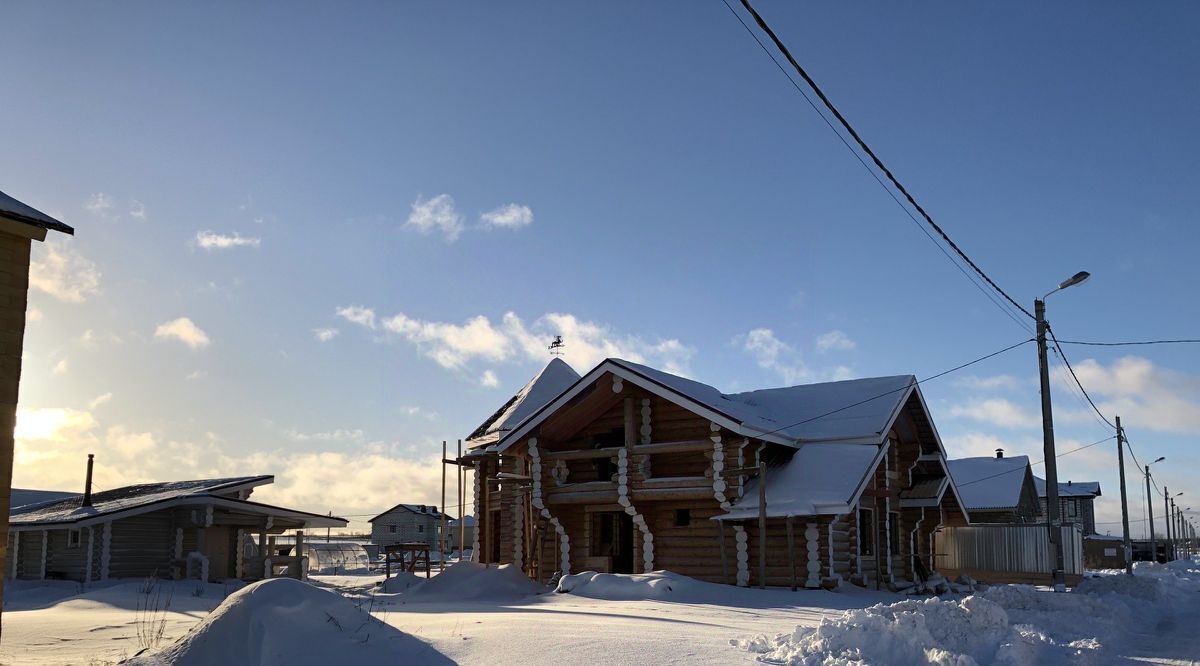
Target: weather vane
(556, 346)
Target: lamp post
(1150, 510)
(1057, 579)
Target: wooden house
(631, 469)
(21, 225)
(1076, 503)
(206, 529)
(406, 523)
(996, 489)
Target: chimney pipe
(87, 487)
(999, 454)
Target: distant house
(452, 538)
(1076, 501)
(996, 489)
(406, 523)
(189, 529)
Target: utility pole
(1057, 579)
(1124, 501)
(1168, 554)
(1150, 511)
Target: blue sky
(655, 187)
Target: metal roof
(15, 210)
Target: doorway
(612, 538)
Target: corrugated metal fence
(1007, 548)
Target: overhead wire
(1000, 305)
(865, 148)
(1129, 344)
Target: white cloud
(436, 214)
(357, 314)
(834, 341)
(772, 353)
(991, 383)
(99, 203)
(210, 240)
(508, 216)
(325, 334)
(452, 345)
(60, 368)
(90, 339)
(137, 209)
(338, 435)
(33, 314)
(489, 379)
(99, 400)
(63, 273)
(998, 412)
(128, 444)
(478, 338)
(196, 374)
(183, 330)
(1145, 395)
(414, 410)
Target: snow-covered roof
(819, 479)
(15, 210)
(845, 410)
(989, 482)
(419, 509)
(545, 386)
(110, 504)
(1069, 488)
(26, 496)
(856, 411)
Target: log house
(630, 469)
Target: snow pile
(471, 580)
(1004, 624)
(623, 587)
(402, 581)
(286, 622)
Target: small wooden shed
(206, 529)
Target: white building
(406, 523)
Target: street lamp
(1052, 509)
(1150, 510)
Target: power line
(974, 281)
(1063, 356)
(871, 153)
(903, 388)
(1129, 344)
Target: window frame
(866, 546)
(74, 537)
(682, 517)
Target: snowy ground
(495, 617)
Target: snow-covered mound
(1005, 624)
(286, 622)
(471, 580)
(401, 581)
(626, 587)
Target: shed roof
(110, 504)
(546, 385)
(818, 479)
(26, 496)
(21, 212)
(988, 482)
(1069, 488)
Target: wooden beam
(724, 557)
(791, 550)
(581, 497)
(630, 424)
(581, 454)
(762, 522)
(684, 446)
(667, 494)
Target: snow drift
(286, 622)
(401, 581)
(474, 581)
(1006, 624)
